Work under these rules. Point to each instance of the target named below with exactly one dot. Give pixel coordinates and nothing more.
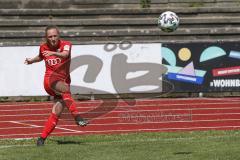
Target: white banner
(18, 79)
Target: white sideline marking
(134, 130)
(134, 141)
(11, 146)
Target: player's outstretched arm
(33, 60)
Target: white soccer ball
(168, 21)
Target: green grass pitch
(201, 145)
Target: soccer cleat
(40, 141)
(80, 121)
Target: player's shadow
(182, 153)
(62, 142)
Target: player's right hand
(28, 61)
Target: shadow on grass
(182, 153)
(62, 142)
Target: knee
(61, 87)
(64, 89)
(58, 114)
(58, 108)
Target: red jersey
(56, 67)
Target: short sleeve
(67, 47)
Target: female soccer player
(57, 56)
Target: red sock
(49, 125)
(70, 104)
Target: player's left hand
(48, 53)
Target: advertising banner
(195, 67)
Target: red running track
(26, 120)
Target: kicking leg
(63, 89)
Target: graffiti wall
(194, 67)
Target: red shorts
(48, 85)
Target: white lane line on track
(138, 116)
(71, 130)
(32, 109)
(25, 124)
(37, 126)
(50, 103)
(25, 104)
(151, 100)
(100, 118)
(130, 111)
(127, 123)
(125, 107)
